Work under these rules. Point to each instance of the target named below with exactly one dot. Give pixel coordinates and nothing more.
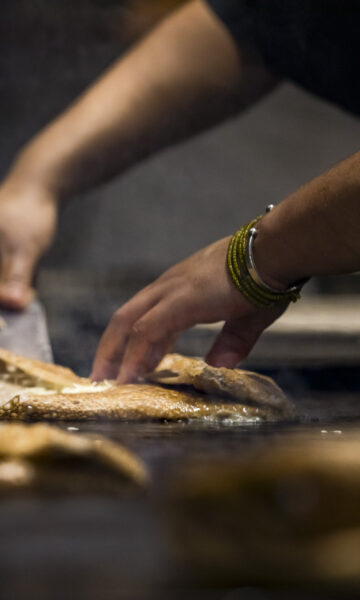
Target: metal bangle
(254, 273)
(250, 263)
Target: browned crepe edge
(43, 374)
(245, 386)
(131, 401)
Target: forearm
(186, 75)
(315, 231)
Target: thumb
(17, 267)
(231, 345)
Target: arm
(188, 74)
(314, 231)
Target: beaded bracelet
(244, 275)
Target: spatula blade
(26, 332)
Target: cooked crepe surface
(180, 388)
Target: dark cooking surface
(100, 547)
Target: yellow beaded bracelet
(242, 270)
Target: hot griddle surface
(96, 546)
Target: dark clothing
(315, 43)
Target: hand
(197, 290)
(27, 225)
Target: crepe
(32, 372)
(284, 512)
(40, 455)
(185, 388)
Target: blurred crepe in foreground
(284, 513)
(45, 457)
(181, 388)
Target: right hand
(28, 215)
(197, 290)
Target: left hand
(197, 290)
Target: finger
(149, 341)
(231, 346)
(17, 267)
(113, 342)
(155, 333)
(142, 358)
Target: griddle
(98, 546)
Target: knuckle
(143, 330)
(119, 319)
(140, 330)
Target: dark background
(114, 239)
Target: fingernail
(94, 378)
(214, 362)
(228, 361)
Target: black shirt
(316, 43)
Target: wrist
(274, 256)
(246, 276)
(29, 172)
(27, 185)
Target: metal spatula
(26, 332)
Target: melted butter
(80, 388)
(9, 390)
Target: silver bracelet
(250, 263)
